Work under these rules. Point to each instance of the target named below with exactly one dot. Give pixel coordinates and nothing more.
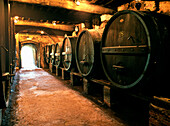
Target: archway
(28, 56)
(36, 38)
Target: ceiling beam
(40, 12)
(45, 25)
(28, 29)
(67, 4)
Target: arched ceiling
(36, 30)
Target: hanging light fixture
(77, 2)
(16, 18)
(54, 22)
(42, 32)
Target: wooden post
(107, 95)
(58, 71)
(75, 79)
(50, 67)
(65, 74)
(86, 86)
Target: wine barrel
(52, 53)
(88, 52)
(47, 52)
(134, 49)
(6, 52)
(68, 53)
(57, 55)
(51, 64)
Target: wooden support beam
(55, 14)
(61, 27)
(84, 6)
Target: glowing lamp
(42, 32)
(54, 22)
(77, 2)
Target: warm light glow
(83, 25)
(29, 38)
(15, 21)
(28, 57)
(138, 0)
(54, 22)
(42, 32)
(76, 29)
(77, 2)
(65, 35)
(105, 17)
(16, 18)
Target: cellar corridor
(44, 100)
(84, 62)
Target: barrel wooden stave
(68, 53)
(88, 52)
(7, 53)
(57, 55)
(52, 53)
(131, 49)
(47, 53)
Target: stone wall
(160, 7)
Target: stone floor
(43, 100)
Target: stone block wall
(161, 7)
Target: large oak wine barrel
(57, 55)
(88, 52)
(6, 51)
(51, 64)
(52, 53)
(47, 53)
(68, 53)
(134, 49)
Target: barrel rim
(67, 37)
(48, 56)
(139, 16)
(55, 56)
(76, 53)
(52, 49)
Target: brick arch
(48, 31)
(45, 33)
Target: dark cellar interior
(84, 62)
